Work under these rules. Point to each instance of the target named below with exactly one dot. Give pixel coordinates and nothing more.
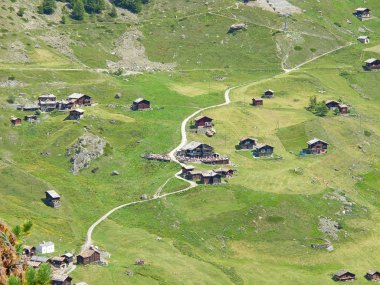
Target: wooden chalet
(344, 275)
(332, 104)
(47, 102)
(194, 175)
(362, 13)
(262, 150)
(31, 118)
(203, 121)
(16, 121)
(257, 102)
(211, 177)
(343, 109)
(372, 64)
(364, 39)
(224, 172)
(36, 261)
(79, 99)
(197, 150)
(268, 94)
(88, 256)
(68, 258)
(247, 143)
(29, 250)
(373, 275)
(316, 146)
(140, 104)
(75, 114)
(53, 199)
(186, 169)
(57, 261)
(61, 280)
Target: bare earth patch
(132, 53)
(196, 89)
(374, 49)
(276, 6)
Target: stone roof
(201, 117)
(342, 272)
(39, 258)
(371, 60)
(88, 252)
(53, 194)
(315, 140)
(75, 96)
(191, 145)
(138, 100)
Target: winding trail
(183, 142)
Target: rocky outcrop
(237, 27)
(87, 148)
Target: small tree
(113, 12)
(78, 9)
(44, 274)
(63, 19)
(312, 103)
(13, 280)
(47, 7)
(31, 276)
(321, 109)
(11, 99)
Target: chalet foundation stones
(87, 148)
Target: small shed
(68, 258)
(344, 275)
(57, 261)
(211, 177)
(372, 64)
(31, 118)
(343, 109)
(268, 94)
(45, 248)
(317, 146)
(247, 143)
(16, 121)
(362, 12)
(29, 250)
(88, 256)
(262, 150)
(76, 114)
(140, 104)
(224, 172)
(61, 280)
(203, 121)
(257, 102)
(194, 175)
(186, 169)
(364, 39)
(373, 275)
(53, 199)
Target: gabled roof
(221, 169)
(258, 99)
(261, 145)
(269, 90)
(61, 278)
(53, 194)
(209, 174)
(13, 118)
(58, 258)
(48, 243)
(371, 60)
(341, 105)
(192, 145)
(342, 272)
(372, 272)
(247, 138)
(361, 9)
(52, 96)
(188, 167)
(362, 37)
(88, 252)
(78, 110)
(331, 101)
(138, 100)
(202, 117)
(75, 96)
(39, 258)
(315, 140)
(68, 254)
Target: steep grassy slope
(240, 232)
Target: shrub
(297, 48)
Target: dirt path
(183, 142)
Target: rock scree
(87, 148)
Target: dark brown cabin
(362, 13)
(53, 199)
(61, 280)
(257, 102)
(16, 121)
(268, 94)
(186, 169)
(247, 143)
(343, 109)
(47, 102)
(31, 118)
(203, 121)
(197, 149)
(262, 150)
(140, 104)
(78, 99)
(57, 261)
(211, 177)
(344, 275)
(88, 256)
(372, 64)
(194, 175)
(332, 104)
(316, 146)
(75, 114)
(68, 258)
(373, 275)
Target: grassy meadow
(261, 221)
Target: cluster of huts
(258, 149)
(206, 177)
(342, 108)
(31, 256)
(258, 102)
(345, 275)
